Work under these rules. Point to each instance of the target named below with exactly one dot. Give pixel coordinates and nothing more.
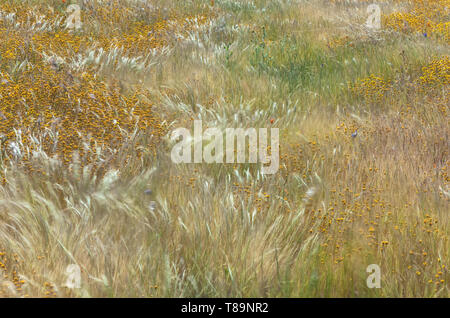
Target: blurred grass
(336, 205)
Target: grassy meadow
(86, 176)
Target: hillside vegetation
(86, 176)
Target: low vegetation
(86, 176)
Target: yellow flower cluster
(46, 105)
(9, 270)
(83, 113)
(337, 42)
(437, 73)
(429, 17)
(372, 88)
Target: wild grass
(85, 117)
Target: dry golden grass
(84, 120)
